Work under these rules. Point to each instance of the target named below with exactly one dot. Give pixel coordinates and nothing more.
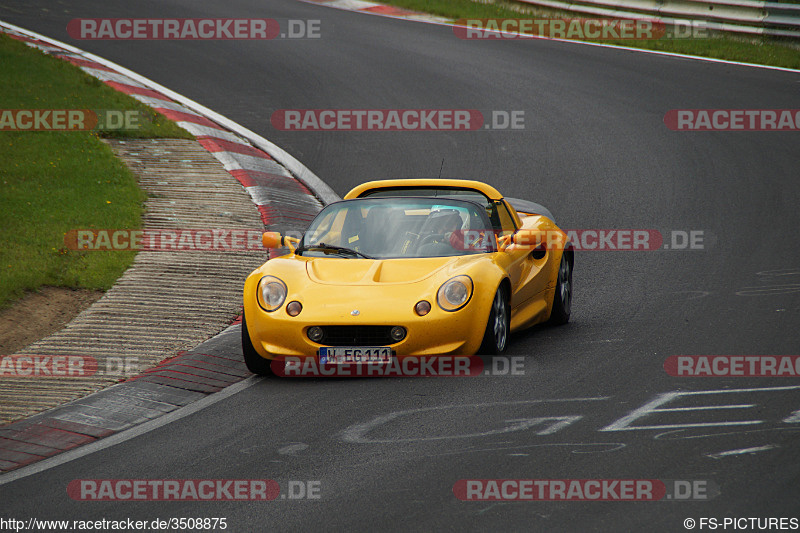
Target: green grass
(33, 80)
(51, 182)
(764, 51)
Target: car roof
(433, 183)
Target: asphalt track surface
(596, 152)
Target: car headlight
(271, 293)
(455, 293)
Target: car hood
(334, 271)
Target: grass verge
(51, 182)
(760, 50)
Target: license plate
(355, 354)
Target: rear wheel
(255, 363)
(562, 300)
(495, 339)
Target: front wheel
(495, 339)
(255, 363)
(562, 300)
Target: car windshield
(388, 228)
(495, 210)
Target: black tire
(495, 338)
(562, 298)
(255, 363)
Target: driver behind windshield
(437, 232)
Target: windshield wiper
(341, 249)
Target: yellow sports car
(411, 267)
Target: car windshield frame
(494, 207)
(407, 227)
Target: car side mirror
(273, 239)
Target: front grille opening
(357, 336)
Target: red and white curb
(176, 388)
(287, 195)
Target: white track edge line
(128, 434)
(320, 189)
(587, 43)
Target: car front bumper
(438, 333)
